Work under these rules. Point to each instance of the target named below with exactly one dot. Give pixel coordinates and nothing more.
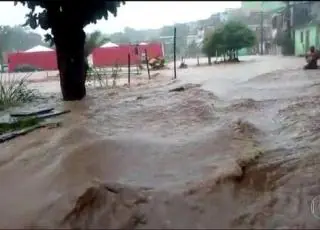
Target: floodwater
(238, 148)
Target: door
(307, 40)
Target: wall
(103, 57)
(44, 60)
(100, 56)
(300, 47)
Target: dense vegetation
(17, 38)
(94, 40)
(228, 39)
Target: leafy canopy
(231, 36)
(94, 40)
(55, 13)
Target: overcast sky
(137, 15)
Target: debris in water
(26, 123)
(178, 89)
(141, 97)
(53, 114)
(31, 113)
(184, 87)
(11, 135)
(16, 124)
(53, 125)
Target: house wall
(301, 44)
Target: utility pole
(288, 21)
(261, 29)
(174, 52)
(290, 45)
(261, 32)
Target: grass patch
(19, 124)
(15, 91)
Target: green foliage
(120, 37)
(231, 36)
(17, 38)
(94, 40)
(55, 12)
(19, 124)
(238, 36)
(208, 45)
(14, 91)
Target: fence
(111, 56)
(106, 76)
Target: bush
(14, 92)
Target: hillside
(190, 28)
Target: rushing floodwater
(239, 148)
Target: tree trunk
(209, 61)
(69, 41)
(229, 53)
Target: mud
(153, 158)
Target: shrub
(15, 91)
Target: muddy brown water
(246, 157)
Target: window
(301, 36)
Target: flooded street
(238, 148)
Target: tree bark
(69, 41)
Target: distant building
(265, 6)
(252, 10)
(167, 42)
(191, 39)
(306, 26)
(304, 23)
(166, 39)
(306, 36)
(223, 16)
(200, 36)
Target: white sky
(135, 14)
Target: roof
(109, 44)
(38, 49)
